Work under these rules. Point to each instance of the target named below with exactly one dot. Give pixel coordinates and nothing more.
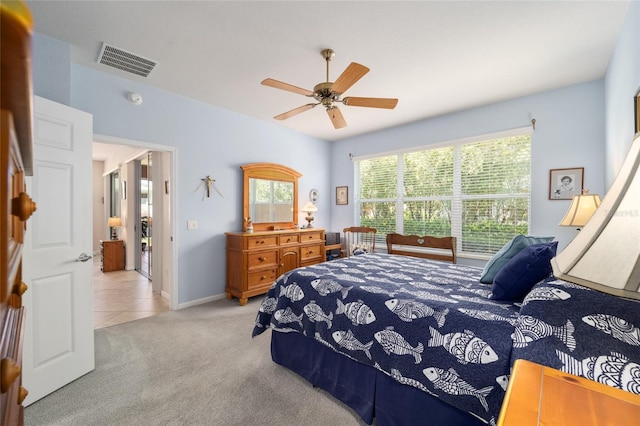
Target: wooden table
(539, 395)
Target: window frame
(456, 198)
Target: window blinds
(478, 191)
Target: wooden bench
(426, 247)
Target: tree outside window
(478, 192)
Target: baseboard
(201, 301)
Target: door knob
(83, 257)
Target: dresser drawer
(312, 236)
(262, 241)
(289, 239)
(256, 260)
(310, 252)
(265, 277)
(262, 259)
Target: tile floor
(123, 296)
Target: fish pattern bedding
(430, 325)
(427, 324)
(582, 332)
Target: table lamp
(114, 223)
(581, 209)
(308, 209)
(605, 254)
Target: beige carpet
(195, 366)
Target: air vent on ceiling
(125, 61)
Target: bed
(410, 341)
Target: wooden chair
(358, 239)
(425, 247)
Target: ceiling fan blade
(286, 86)
(336, 117)
(348, 78)
(388, 103)
(294, 111)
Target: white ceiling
(437, 57)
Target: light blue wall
(209, 141)
(569, 133)
(622, 81)
(52, 69)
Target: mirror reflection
(270, 196)
(270, 200)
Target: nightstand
(539, 395)
(112, 255)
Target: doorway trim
(173, 173)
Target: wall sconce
(114, 223)
(308, 209)
(581, 209)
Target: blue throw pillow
(505, 254)
(523, 271)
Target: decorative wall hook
(208, 184)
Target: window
(272, 200)
(477, 191)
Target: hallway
(123, 296)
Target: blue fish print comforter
(582, 332)
(427, 324)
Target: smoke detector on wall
(134, 98)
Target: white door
(58, 344)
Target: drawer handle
(22, 394)
(288, 239)
(264, 277)
(10, 372)
(262, 259)
(19, 289)
(23, 206)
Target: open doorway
(143, 193)
(146, 286)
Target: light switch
(192, 224)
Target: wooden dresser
(112, 255)
(15, 205)
(539, 395)
(256, 260)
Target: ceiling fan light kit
(328, 93)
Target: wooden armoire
(15, 204)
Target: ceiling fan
(328, 93)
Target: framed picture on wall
(342, 195)
(564, 184)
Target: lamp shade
(605, 255)
(114, 222)
(309, 207)
(581, 209)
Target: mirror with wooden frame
(270, 196)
